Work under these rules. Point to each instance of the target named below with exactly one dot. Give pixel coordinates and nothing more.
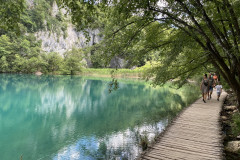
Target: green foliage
(236, 124)
(39, 16)
(107, 72)
(144, 142)
(73, 61)
(22, 54)
(19, 53)
(64, 29)
(19, 64)
(113, 85)
(10, 12)
(54, 61)
(3, 64)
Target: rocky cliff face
(61, 42)
(52, 42)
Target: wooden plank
(216, 144)
(179, 155)
(192, 145)
(185, 151)
(169, 156)
(194, 135)
(191, 148)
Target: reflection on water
(64, 117)
(122, 144)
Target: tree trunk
(238, 98)
(234, 84)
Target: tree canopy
(10, 14)
(183, 35)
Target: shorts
(210, 88)
(218, 93)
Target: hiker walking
(210, 86)
(219, 89)
(215, 77)
(204, 87)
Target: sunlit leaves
(10, 11)
(73, 61)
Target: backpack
(210, 80)
(205, 82)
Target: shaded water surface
(64, 117)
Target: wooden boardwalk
(194, 135)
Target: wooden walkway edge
(194, 135)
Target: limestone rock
(229, 112)
(230, 108)
(51, 42)
(238, 137)
(55, 9)
(235, 111)
(224, 118)
(117, 62)
(30, 3)
(38, 73)
(233, 146)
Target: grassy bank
(108, 72)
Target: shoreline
(94, 72)
(110, 76)
(85, 75)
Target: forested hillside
(47, 42)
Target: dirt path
(194, 135)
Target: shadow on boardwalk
(194, 135)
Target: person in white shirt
(219, 89)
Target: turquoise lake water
(71, 117)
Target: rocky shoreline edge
(230, 121)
